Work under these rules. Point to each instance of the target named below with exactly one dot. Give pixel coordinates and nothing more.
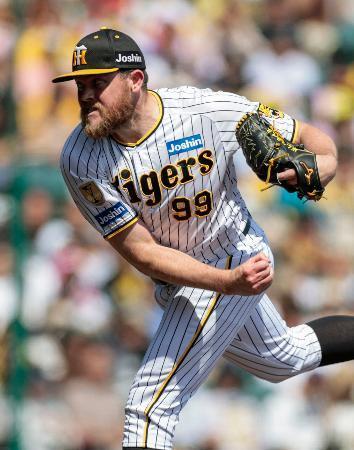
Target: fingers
(289, 176)
(259, 257)
(263, 284)
(258, 277)
(286, 175)
(252, 277)
(263, 279)
(259, 266)
(258, 262)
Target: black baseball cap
(104, 51)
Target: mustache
(86, 109)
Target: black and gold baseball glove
(268, 153)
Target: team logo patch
(79, 56)
(92, 193)
(185, 144)
(270, 112)
(112, 214)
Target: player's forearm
(324, 147)
(175, 267)
(139, 248)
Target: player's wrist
(327, 166)
(230, 282)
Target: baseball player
(153, 172)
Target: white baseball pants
(197, 329)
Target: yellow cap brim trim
(78, 73)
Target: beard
(117, 115)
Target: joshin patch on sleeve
(114, 218)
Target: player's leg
(269, 349)
(196, 328)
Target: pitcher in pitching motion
(153, 172)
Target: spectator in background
(91, 394)
(8, 40)
(8, 290)
(282, 71)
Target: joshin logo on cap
(128, 57)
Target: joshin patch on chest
(184, 144)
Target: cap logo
(79, 56)
(128, 58)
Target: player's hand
(252, 277)
(289, 176)
(326, 165)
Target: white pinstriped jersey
(179, 179)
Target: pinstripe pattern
(267, 348)
(189, 200)
(85, 160)
(247, 331)
(187, 112)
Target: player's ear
(137, 79)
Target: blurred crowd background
(75, 319)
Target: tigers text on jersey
(179, 179)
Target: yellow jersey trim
(154, 127)
(124, 227)
(181, 359)
(295, 132)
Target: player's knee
(300, 355)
